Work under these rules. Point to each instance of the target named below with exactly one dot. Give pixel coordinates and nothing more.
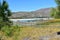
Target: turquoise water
(30, 20)
(24, 20)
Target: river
(30, 20)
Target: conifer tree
(5, 13)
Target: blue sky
(30, 5)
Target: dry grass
(35, 33)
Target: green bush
(2, 24)
(9, 31)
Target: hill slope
(33, 14)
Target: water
(30, 20)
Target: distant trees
(55, 12)
(4, 14)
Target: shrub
(9, 31)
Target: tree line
(55, 12)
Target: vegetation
(48, 30)
(55, 12)
(6, 33)
(32, 33)
(4, 14)
(5, 23)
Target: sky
(29, 5)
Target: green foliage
(5, 23)
(58, 2)
(4, 14)
(9, 31)
(55, 12)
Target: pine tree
(5, 13)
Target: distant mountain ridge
(33, 14)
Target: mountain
(33, 14)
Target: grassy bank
(32, 33)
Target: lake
(30, 20)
